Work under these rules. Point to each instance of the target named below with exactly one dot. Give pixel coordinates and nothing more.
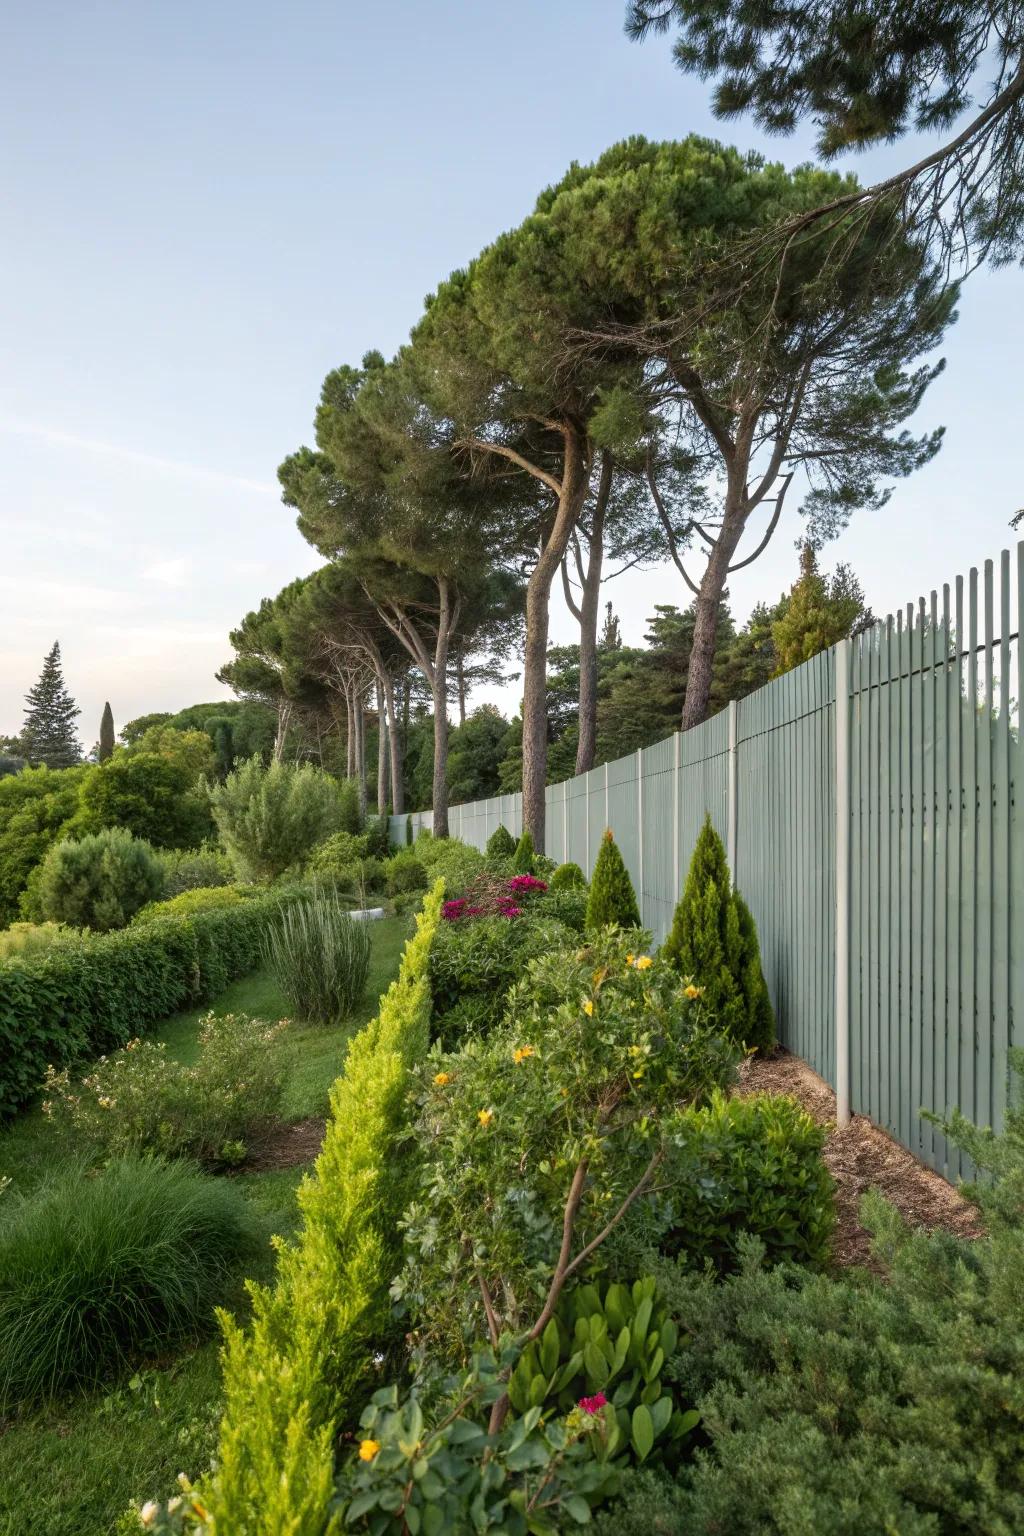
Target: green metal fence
(877, 838)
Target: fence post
(565, 821)
(842, 945)
(640, 826)
(676, 753)
(586, 829)
(607, 822)
(731, 789)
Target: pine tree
(49, 730)
(612, 898)
(522, 859)
(106, 733)
(610, 638)
(819, 611)
(714, 942)
(500, 845)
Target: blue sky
(203, 208)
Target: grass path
(73, 1468)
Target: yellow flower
(106, 1103)
(588, 1008)
(485, 1116)
(644, 963)
(630, 959)
(639, 1072)
(691, 991)
(148, 1512)
(440, 1078)
(368, 1449)
(523, 1053)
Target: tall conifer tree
(106, 733)
(49, 731)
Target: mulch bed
(286, 1146)
(862, 1157)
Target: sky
(204, 208)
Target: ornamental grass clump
(98, 1270)
(320, 958)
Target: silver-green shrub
(270, 818)
(99, 882)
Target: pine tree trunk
(700, 673)
(360, 719)
(590, 603)
(395, 749)
(284, 715)
(461, 675)
(439, 689)
(575, 474)
(350, 745)
(382, 753)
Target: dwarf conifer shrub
(612, 897)
(522, 858)
(567, 877)
(713, 941)
(95, 1271)
(99, 882)
(320, 957)
(501, 845)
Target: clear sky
(204, 207)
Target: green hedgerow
(501, 845)
(567, 877)
(522, 858)
(24, 939)
(404, 873)
(713, 941)
(99, 882)
(320, 957)
(612, 897)
(189, 869)
(188, 903)
(96, 1270)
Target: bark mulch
(862, 1157)
(286, 1146)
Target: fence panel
(936, 878)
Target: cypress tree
(522, 859)
(106, 733)
(714, 942)
(49, 730)
(500, 845)
(612, 898)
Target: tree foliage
(270, 818)
(49, 733)
(612, 898)
(98, 882)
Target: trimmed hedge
(300, 1372)
(93, 994)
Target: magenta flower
(593, 1404)
(511, 912)
(453, 909)
(523, 883)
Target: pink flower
(511, 912)
(523, 883)
(453, 909)
(593, 1404)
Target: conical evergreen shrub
(500, 845)
(760, 1014)
(522, 858)
(714, 941)
(567, 877)
(612, 898)
(106, 734)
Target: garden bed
(860, 1157)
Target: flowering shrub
(139, 1099)
(560, 1106)
(475, 959)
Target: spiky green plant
(522, 858)
(612, 897)
(320, 957)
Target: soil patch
(862, 1157)
(286, 1146)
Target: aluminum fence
(868, 803)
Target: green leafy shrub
(522, 858)
(320, 958)
(190, 869)
(271, 818)
(748, 1165)
(350, 818)
(93, 993)
(22, 939)
(648, 1503)
(149, 794)
(713, 941)
(298, 1372)
(501, 845)
(35, 808)
(378, 837)
(450, 860)
(339, 852)
(594, 1044)
(612, 898)
(96, 1271)
(611, 1342)
(568, 906)
(408, 832)
(404, 873)
(141, 1100)
(473, 965)
(99, 882)
(189, 902)
(568, 877)
(534, 1475)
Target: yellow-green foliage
(300, 1369)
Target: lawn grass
(73, 1469)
